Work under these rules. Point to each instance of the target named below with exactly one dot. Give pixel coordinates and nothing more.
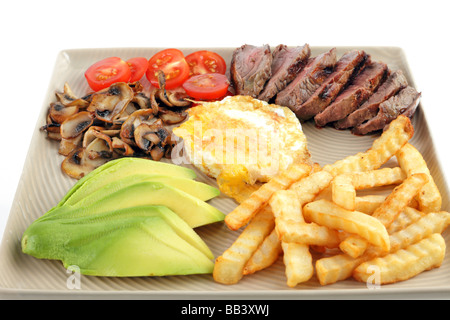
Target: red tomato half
(172, 63)
(138, 66)
(201, 62)
(208, 86)
(104, 73)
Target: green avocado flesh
(123, 167)
(129, 217)
(137, 241)
(193, 211)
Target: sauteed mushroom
(148, 135)
(170, 117)
(76, 164)
(132, 122)
(108, 103)
(76, 124)
(121, 147)
(118, 121)
(58, 112)
(67, 145)
(68, 98)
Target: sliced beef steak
(307, 81)
(250, 68)
(369, 109)
(346, 67)
(287, 63)
(405, 102)
(356, 93)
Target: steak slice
(405, 102)
(307, 81)
(356, 93)
(346, 67)
(286, 64)
(369, 109)
(250, 69)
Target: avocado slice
(195, 212)
(122, 167)
(137, 241)
(200, 190)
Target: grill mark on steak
(250, 69)
(369, 109)
(346, 68)
(307, 81)
(361, 88)
(405, 102)
(286, 64)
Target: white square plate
(43, 184)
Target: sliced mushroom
(121, 147)
(68, 98)
(110, 132)
(132, 122)
(76, 164)
(93, 133)
(162, 95)
(178, 99)
(76, 124)
(67, 145)
(99, 151)
(59, 112)
(142, 101)
(157, 152)
(136, 86)
(107, 104)
(153, 102)
(170, 117)
(125, 113)
(147, 136)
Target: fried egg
(242, 140)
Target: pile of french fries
(308, 209)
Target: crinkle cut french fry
(388, 211)
(433, 222)
(266, 254)
(404, 219)
(391, 140)
(298, 262)
(326, 213)
(243, 213)
(369, 203)
(344, 185)
(340, 267)
(309, 187)
(377, 178)
(336, 268)
(354, 246)
(411, 160)
(297, 258)
(404, 264)
(343, 192)
(308, 233)
(399, 198)
(228, 268)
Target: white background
(33, 32)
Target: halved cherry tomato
(105, 72)
(207, 86)
(138, 66)
(203, 61)
(172, 63)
